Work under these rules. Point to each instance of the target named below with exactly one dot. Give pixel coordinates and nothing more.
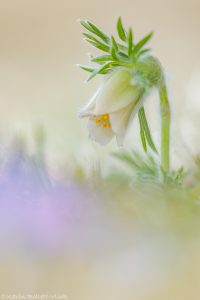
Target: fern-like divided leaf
(146, 169)
(123, 53)
(140, 169)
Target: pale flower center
(101, 120)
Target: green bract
(125, 53)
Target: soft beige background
(40, 43)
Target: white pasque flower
(113, 107)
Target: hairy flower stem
(165, 128)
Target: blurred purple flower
(39, 212)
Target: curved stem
(165, 128)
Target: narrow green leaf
(114, 48)
(114, 43)
(85, 24)
(101, 59)
(142, 134)
(144, 51)
(142, 42)
(123, 55)
(107, 67)
(93, 29)
(86, 68)
(143, 139)
(99, 32)
(99, 45)
(113, 53)
(146, 129)
(99, 70)
(121, 30)
(130, 41)
(122, 48)
(91, 37)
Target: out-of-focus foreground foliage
(133, 233)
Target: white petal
(120, 139)
(98, 133)
(121, 120)
(116, 93)
(89, 108)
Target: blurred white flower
(113, 107)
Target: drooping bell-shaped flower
(131, 72)
(113, 106)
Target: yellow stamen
(98, 121)
(101, 120)
(105, 117)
